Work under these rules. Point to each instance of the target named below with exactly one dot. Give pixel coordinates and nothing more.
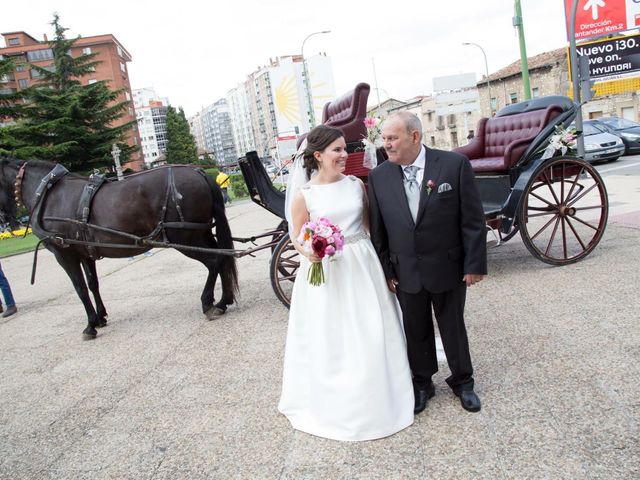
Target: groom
(428, 228)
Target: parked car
(627, 130)
(600, 145)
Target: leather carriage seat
(347, 113)
(500, 141)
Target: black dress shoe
(422, 396)
(469, 400)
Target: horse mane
(41, 164)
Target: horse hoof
(102, 323)
(89, 333)
(214, 312)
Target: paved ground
(164, 394)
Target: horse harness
(83, 214)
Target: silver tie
(412, 189)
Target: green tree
(10, 102)
(65, 121)
(181, 146)
(209, 159)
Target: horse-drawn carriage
(558, 204)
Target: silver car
(599, 145)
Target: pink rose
(329, 251)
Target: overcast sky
(194, 52)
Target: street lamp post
(307, 84)
(486, 67)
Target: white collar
(420, 159)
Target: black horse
(169, 206)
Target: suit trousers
(448, 308)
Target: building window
(119, 50)
(20, 68)
(86, 51)
(454, 139)
(92, 81)
(513, 97)
(494, 104)
(127, 96)
(535, 92)
(122, 67)
(23, 83)
(14, 41)
(39, 55)
(433, 141)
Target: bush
(238, 187)
(213, 172)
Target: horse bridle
(17, 186)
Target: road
(162, 393)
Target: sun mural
(286, 100)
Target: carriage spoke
(590, 208)
(544, 200)
(586, 223)
(553, 236)
(564, 235)
(546, 212)
(582, 195)
(562, 188)
(544, 227)
(553, 192)
(576, 234)
(575, 182)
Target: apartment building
(151, 113)
(26, 50)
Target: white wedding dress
(346, 374)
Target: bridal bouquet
(371, 141)
(562, 140)
(324, 239)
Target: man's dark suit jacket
(448, 239)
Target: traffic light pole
(573, 59)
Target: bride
(346, 374)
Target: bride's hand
(313, 258)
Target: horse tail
(229, 273)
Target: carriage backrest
(347, 113)
(505, 140)
(260, 186)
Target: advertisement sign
(602, 17)
(612, 58)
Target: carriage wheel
(564, 210)
(282, 230)
(283, 268)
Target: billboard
(611, 58)
(602, 17)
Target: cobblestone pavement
(162, 393)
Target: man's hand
(391, 283)
(471, 278)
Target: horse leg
(89, 267)
(71, 265)
(207, 297)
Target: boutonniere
(430, 185)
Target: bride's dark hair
(317, 140)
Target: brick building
(549, 75)
(26, 50)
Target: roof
(80, 41)
(543, 60)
